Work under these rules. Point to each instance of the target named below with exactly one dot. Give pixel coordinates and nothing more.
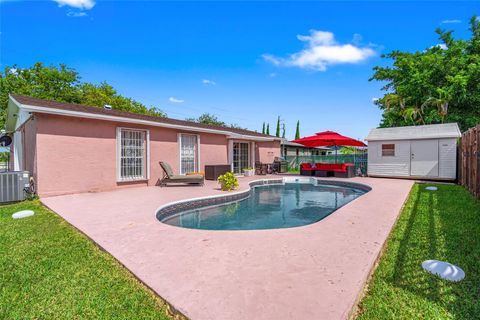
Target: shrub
(228, 181)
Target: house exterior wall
(399, 165)
(267, 151)
(76, 155)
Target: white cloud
(175, 100)
(442, 46)
(74, 14)
(451, 21)
(208, 82)
(322, 51)
(79, 4)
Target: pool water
(270, 207)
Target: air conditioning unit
(13, 185)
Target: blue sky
(244, 62)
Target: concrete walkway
(311, 272)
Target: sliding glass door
(241, 156)
(188, 153)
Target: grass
(442, 225)
(48, 270)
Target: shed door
(424, 158)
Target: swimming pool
(277, 204)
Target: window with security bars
(132, 154)
(188, 153)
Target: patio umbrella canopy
(329, 139)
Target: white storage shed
(428, 152)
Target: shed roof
(431, 131)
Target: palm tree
(393, 99)
(440, 103)
(412, 114)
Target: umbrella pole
(336, 151)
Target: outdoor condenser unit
(13, 184)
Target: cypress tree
(297, 132)
(277, 132)
(263, 128)
(268, 129)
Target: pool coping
(174, 208)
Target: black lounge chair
(169, 177)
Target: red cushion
(337, 167)
(305, 166)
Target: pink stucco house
(71, 148)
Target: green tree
(263, 128)
(102, 94)
(63, 84)
(208, 118)
(436, 85)
(55, 83)
(348, 150)
(268, 129)
(297, 131)
(277, 131)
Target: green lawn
(442, 225)
(48, 270)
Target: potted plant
(228, 181)
(248, 172)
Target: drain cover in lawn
(444, 270)
(22, 214)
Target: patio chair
(260, 168)
(170, 178)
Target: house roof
(77, 110)
(432, 131)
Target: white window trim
(253, 150)
(197, 160)
(18, 151)
(118, 154)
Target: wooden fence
(469, 162)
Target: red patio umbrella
(329, 139)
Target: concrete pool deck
(312, 272)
